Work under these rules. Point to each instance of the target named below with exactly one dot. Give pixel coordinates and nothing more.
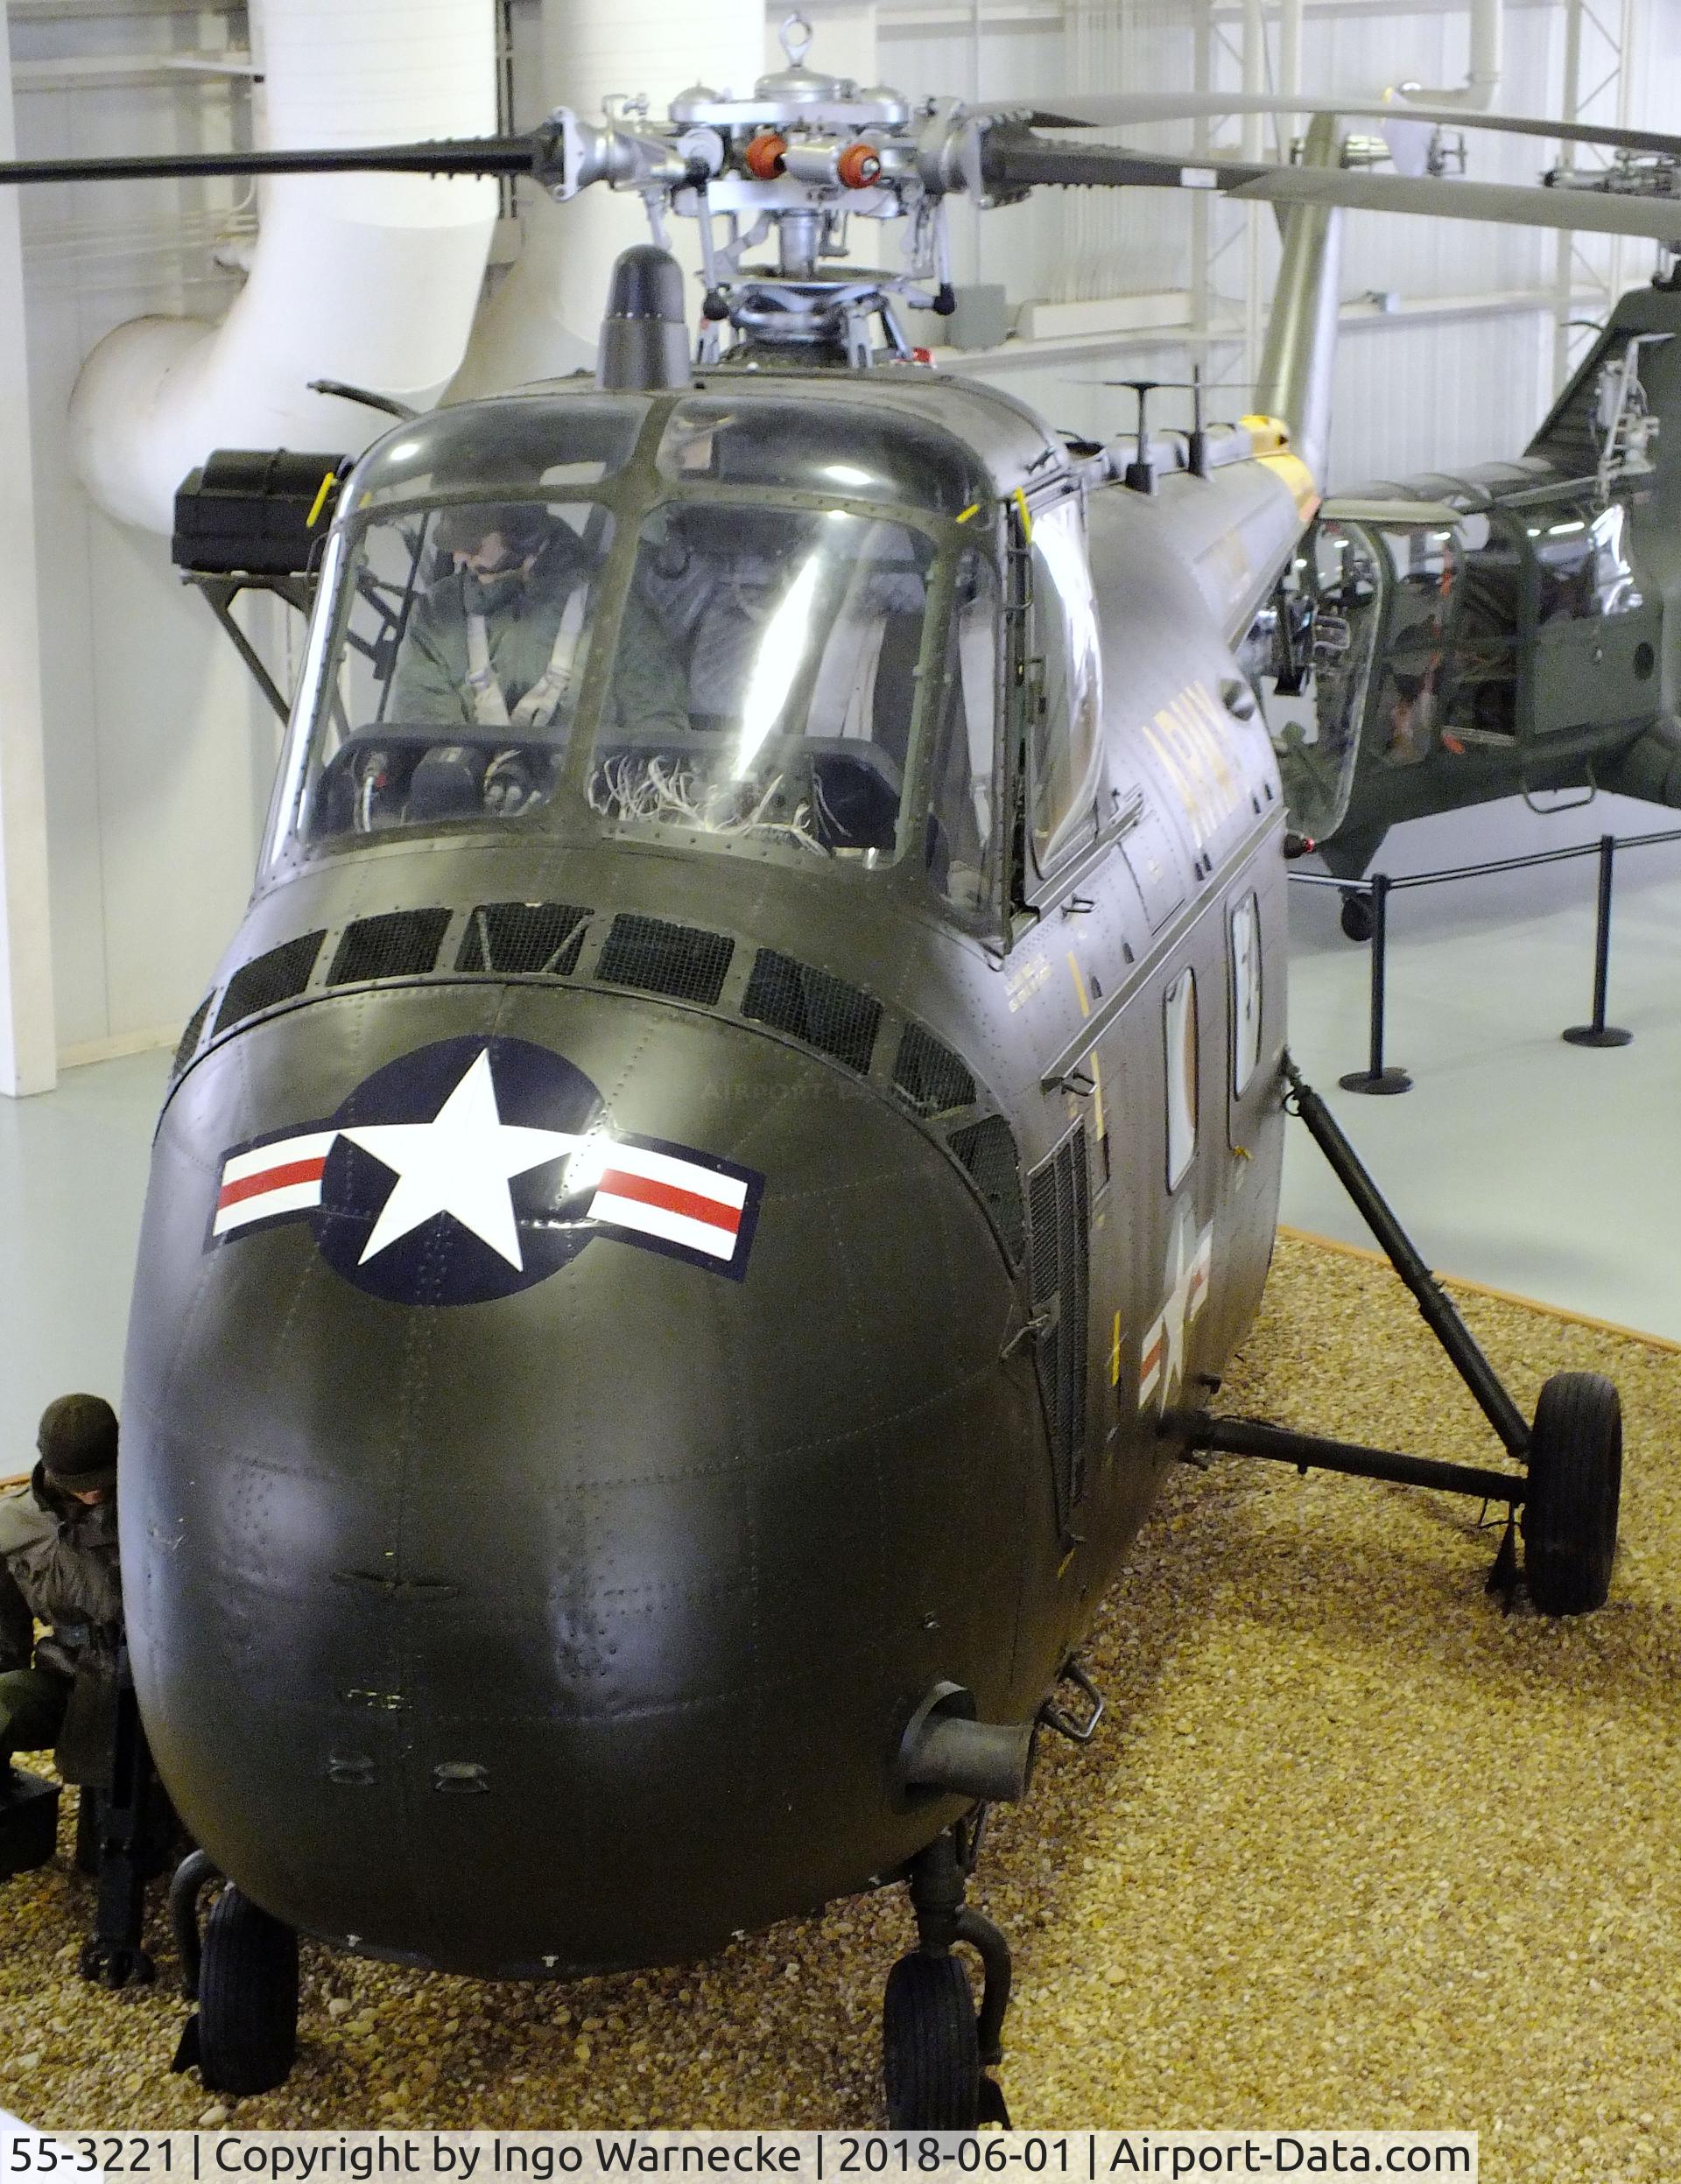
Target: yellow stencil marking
(1114, 1354)
(1097, 1095)
(1063, 1564)
(974, 509)
(1079, 984)
(1027, 521)
(321, 500)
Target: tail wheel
(931, 2047)
(1570, 1514)
(248, 1998)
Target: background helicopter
(1451, 639)
(667, 1289)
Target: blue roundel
(446, 1180)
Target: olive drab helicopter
(743, 1120)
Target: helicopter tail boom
(1297, 364)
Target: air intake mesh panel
(988, 1150)
(191, 1037)
(532, 939)
(269, 980)
(401, 943)
(809, 1005)
(1058, 1262)
(929, 1075)
(658, 958)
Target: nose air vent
(535, 940)
(190, 1037)
(658, 958)
(988, 1150)
(928, 1076)
(400, 944)
(269, 980)
(809, 1005)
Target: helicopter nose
(565, 1440)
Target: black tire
(1570, 1515)
(931, 2049)
(1357, 916)
(248, 1999)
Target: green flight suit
(522, 621)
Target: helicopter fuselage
(539, 1575)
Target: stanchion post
(1598, 1033)
(1374, 1078)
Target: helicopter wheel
(930, 2046)
(1570, 1515)
(1357, 916)
(248, 1999)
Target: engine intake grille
(658, 958)
(399, 944)
(813, 1006)
(928, 1076)
(1059, 1243)
(190, 1037)
(529, 939)
(269, 980)
(988, 1150)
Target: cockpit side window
(962, 822)
(1065, 713)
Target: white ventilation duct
(1483, 79)
(369, 279)
(545, 318)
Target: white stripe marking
(655, 1220)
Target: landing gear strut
(1571, 1486)
(936, 2052)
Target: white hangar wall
(156, 750)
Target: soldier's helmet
(77, 1442)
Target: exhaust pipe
(946, 1752)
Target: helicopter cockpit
(1451, 616)
(702, 619)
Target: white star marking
(1185, 1301)
(460, 1163)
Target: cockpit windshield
(798, 634)
(721, 643)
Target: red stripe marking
(670, 1199)
(271, 1179)
(1152, 1356)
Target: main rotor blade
(1121, 109)
(1011, 160)
(447, 155)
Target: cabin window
(1067, 707)
(1180, 1014)
(962, 819)
(1246, 992)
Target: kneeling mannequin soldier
(58, 1567)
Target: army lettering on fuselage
(1189, 735)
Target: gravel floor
(1356, 1848)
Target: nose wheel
(936, 2050)
(244, 2038)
